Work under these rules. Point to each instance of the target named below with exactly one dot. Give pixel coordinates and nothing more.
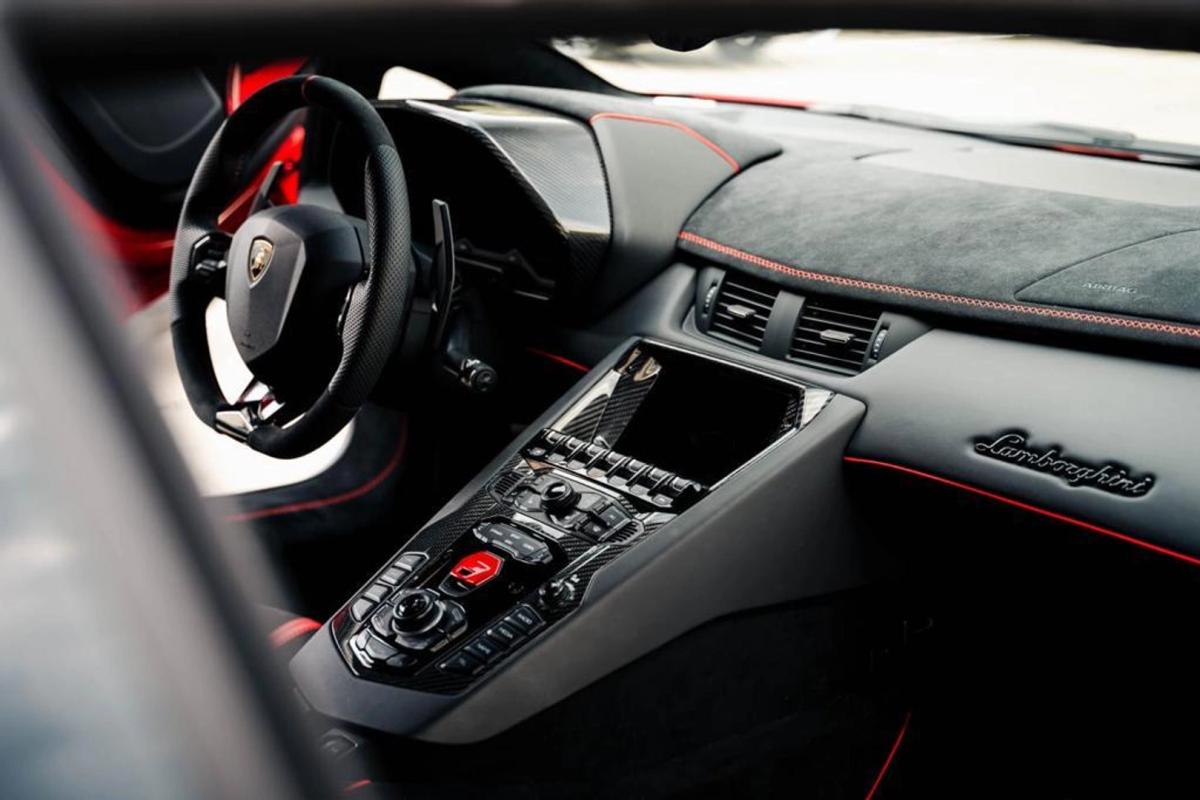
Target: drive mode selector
(415, 611)
(559, 496)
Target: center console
(652, 434)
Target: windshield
(986, 79)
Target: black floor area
(1060, 664)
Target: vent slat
(852, 322)
(750, 324)
(752, 301)
(815, 321)
(749, 332)
(814, 345)
(864, 319)
(816, 326)
(765, 296)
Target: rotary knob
(559, 497)
(555, 594)
(415, 611)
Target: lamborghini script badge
(261, 251)
(1014, 448)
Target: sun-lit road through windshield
(1153, 94)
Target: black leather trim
(930, 402)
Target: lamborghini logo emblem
(261, 251)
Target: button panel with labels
(449, 609)
(636, 479)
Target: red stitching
(566, 362)
(999, 498)
(942, 297)
(358, 491)
(679, 126)
(887, 763)
(292, 629)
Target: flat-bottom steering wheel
(316, 300)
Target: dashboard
(1019, 325)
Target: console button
(410, 561)
(592, 503)
(453, 621)
(484, 649)
(381, 621)
(477, 569)
(505, 635)
(461, 663)
(528, 500)
(525, 618)
(377, 592)
(613, 516)
(521, 546)
(677, 485)
(593, 528)
(360, 609)
(378, 649)
(657, 476)
(393, 575)
(613, 460)
(401, 661)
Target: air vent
(742, 309)
(833, 334)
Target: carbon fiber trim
(556, 163)
(436, 541)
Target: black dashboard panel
(965, 407)
(981, 231)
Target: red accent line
(890, 757)
(1092, 150)
(242, 85)
(942, 297)
(704, 140)
(566, 362)
(292, 629)
(1054, 515)
(353, 787)
(743, 99)
(344, 497)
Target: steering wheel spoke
(256, 405)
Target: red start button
(477, 568)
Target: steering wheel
(316, 300)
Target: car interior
(600, 443)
